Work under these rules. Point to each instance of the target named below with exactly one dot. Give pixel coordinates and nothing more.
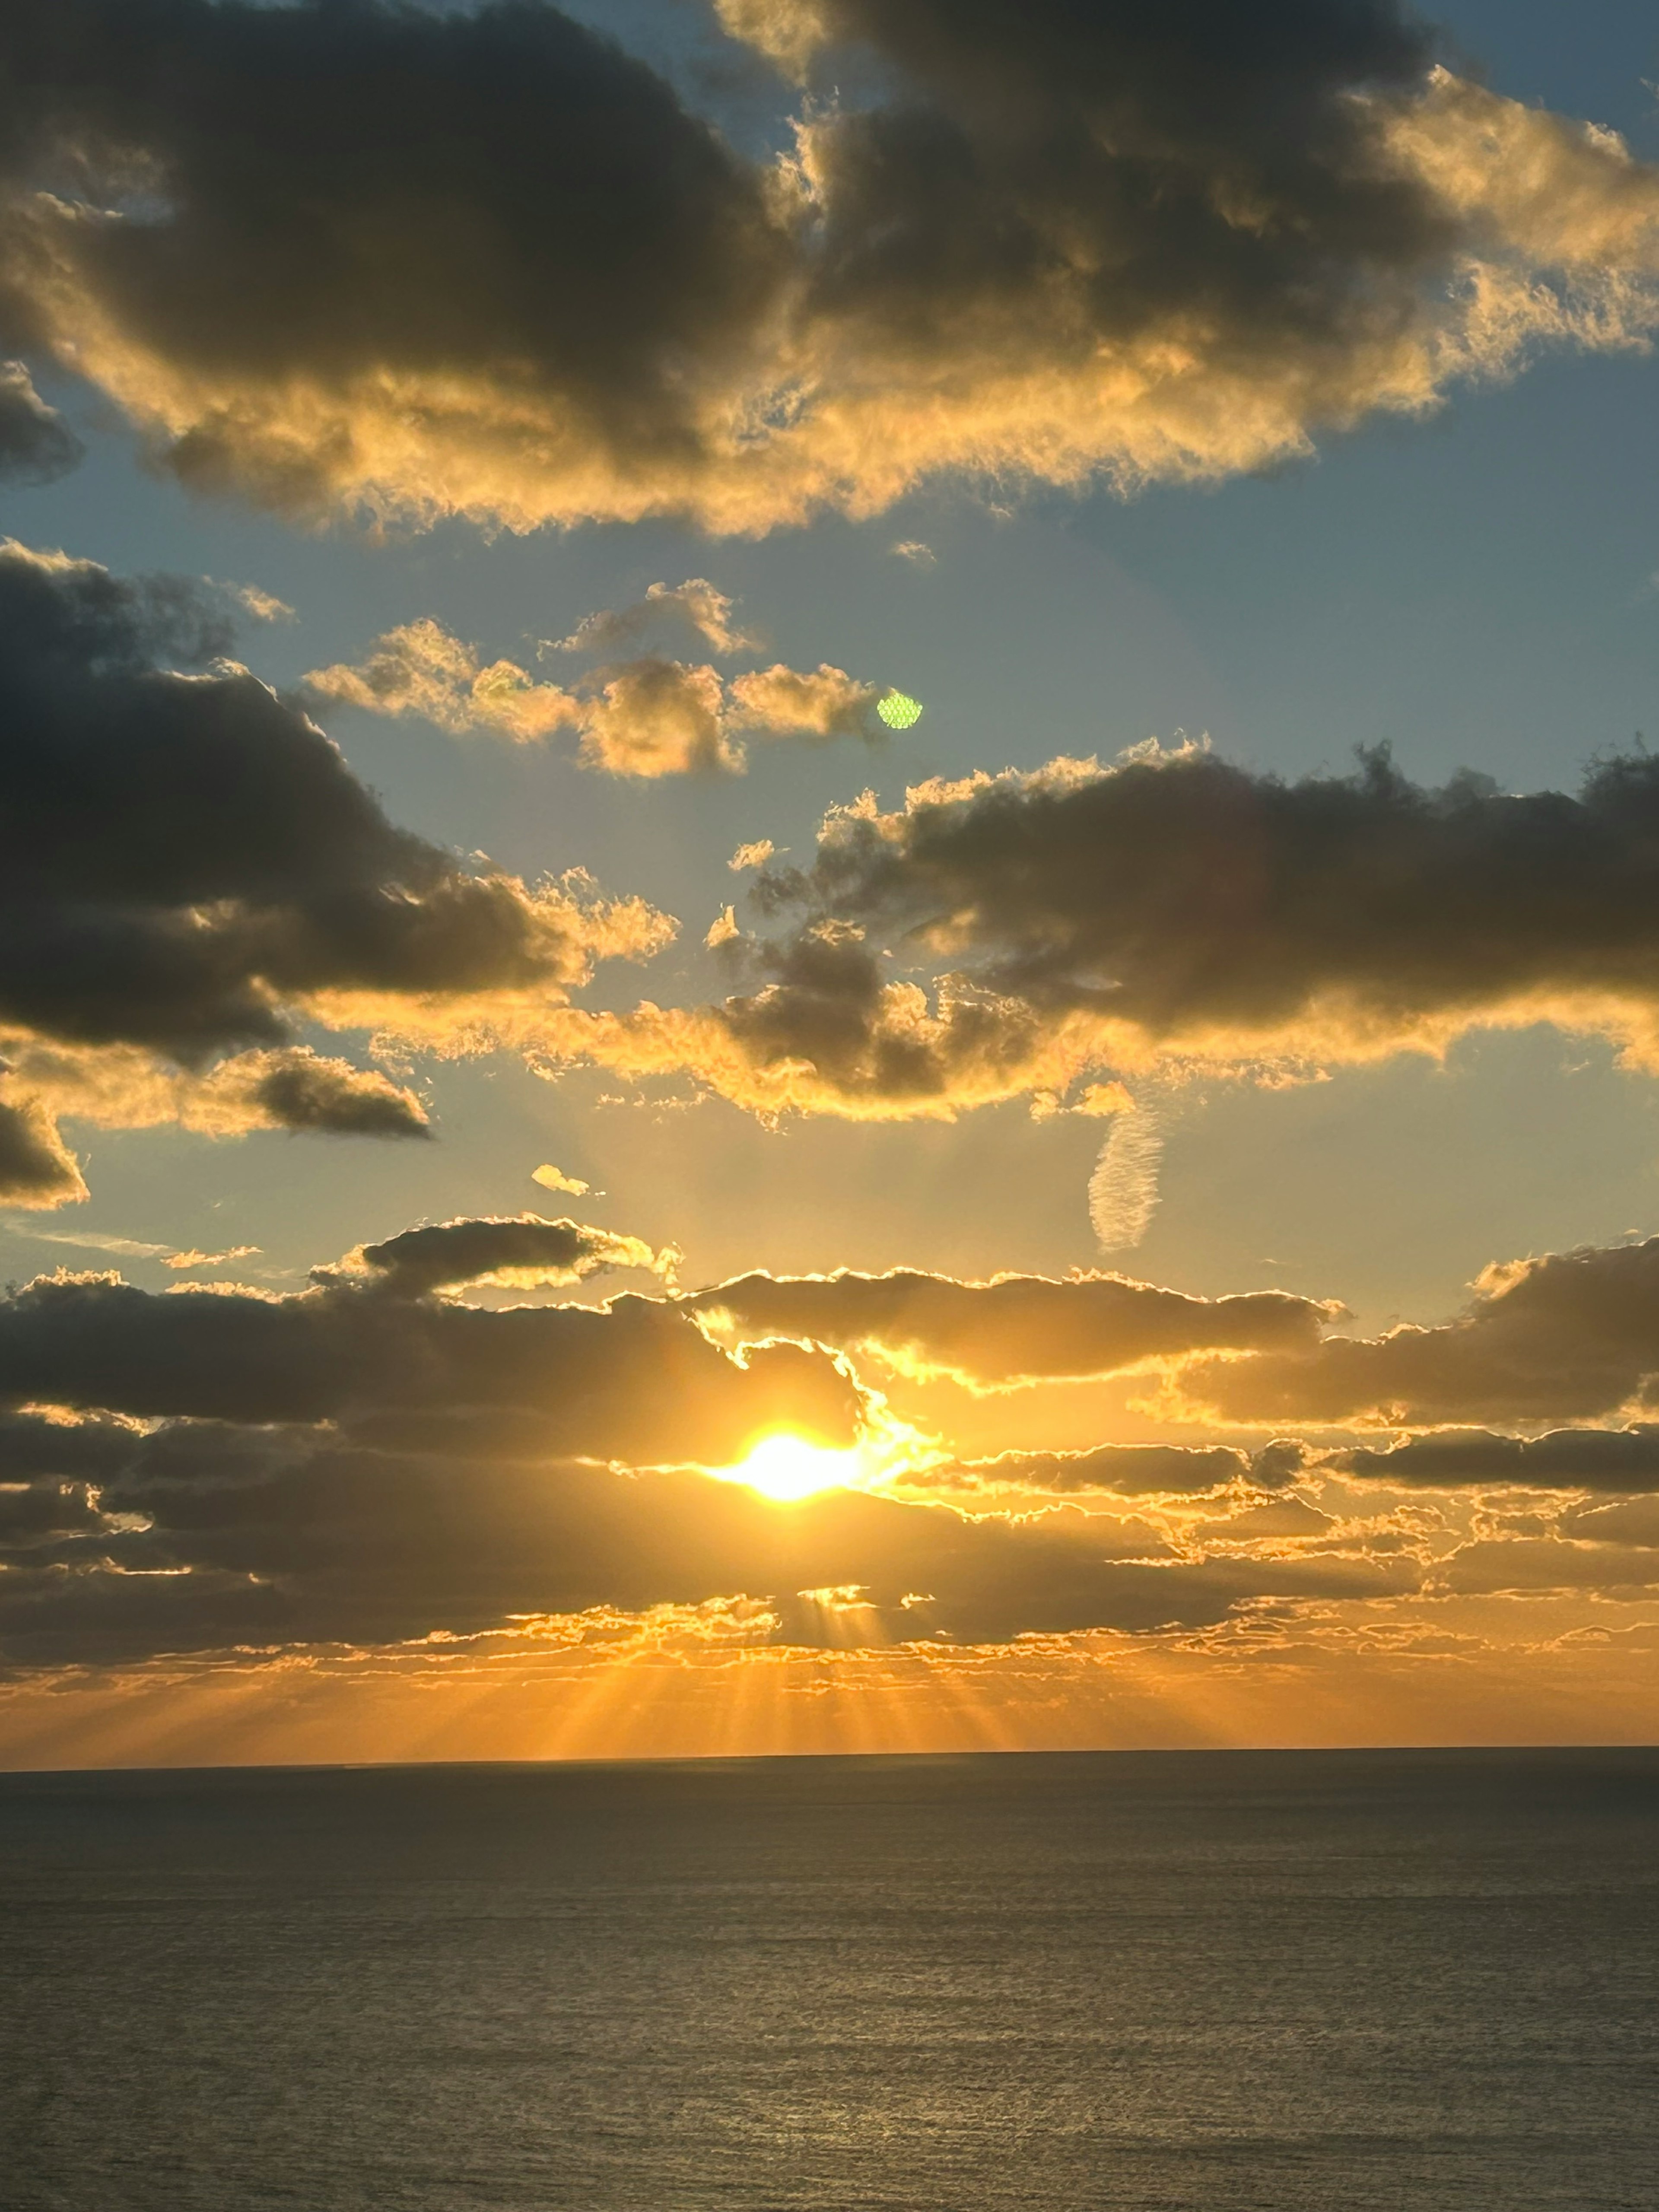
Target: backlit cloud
(191, 870)
(1571, 1336)
(1177, 912)
(647, 717)
(525, 283)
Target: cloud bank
(190, 871)
(1173, 912)
(524, 283)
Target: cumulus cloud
(189, 868)
(1013, 1329)
(1173, 911)
(1571, 1336)
(421, 669)
(648, 717)
(516, 1252)
(36, 445)
(637, 1380)
(699, 606)
(36, 1168)
(524, 284)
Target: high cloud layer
(190, 870)
(1172, 911)
(524, 283)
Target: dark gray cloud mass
(1571, 1336)
(295, 1536)
(522, 281)
(135, 801)
(188, 867)
(1175, 909)
(1615, 1459)
(36, 443)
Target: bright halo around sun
(787, 1467)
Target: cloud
(524, 284)
(522, 1252)
(36, 1167)
(1120, 1470)
(699, 605)
(1566, 1458)
(656, 718)
(828, 703)
(421, 669)
(1013, 1329)
(1173, 912)
(36, 445)
(637, 1380)
(1123, 1191)
(648, 717)
(1571, 1336)
(190, 868)
(552, 1178)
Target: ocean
(1204, 1982)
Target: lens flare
(899, 711)
(785, 1468)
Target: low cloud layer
(1014, 1328)
(1571, 1336)
(370, 1461)
(1173, 912)
(526, 284)
(190, 870)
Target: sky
(569, 1191)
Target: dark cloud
(1016, 1327)
(1124, 1470)
(635, 1381)
(325, 1541)
(522, 281)
(1572, 1336)
(36, 1169)
(300, 1092)
(1177, 906)
(510, 233)
(189, 866)
(1565, 1459)
(36, 443)
(521, 1251)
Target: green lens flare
(899, 711)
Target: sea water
(1173, 1983)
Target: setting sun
(787, 1467)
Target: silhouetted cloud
(1173, 910)
(1572, 1336)
(517, 1253)
(36, 445)
(1566, 1458)
(1012, 1328)
(36, 1168)
(189, 866)
(524, 283)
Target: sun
(786, 1467)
